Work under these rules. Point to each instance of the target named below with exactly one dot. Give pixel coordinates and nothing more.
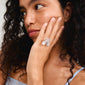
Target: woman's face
(38, 12)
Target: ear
(67, 11)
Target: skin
(39, 17)
(44, 66)
(41, 67)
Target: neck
(54, 57)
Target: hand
(39, 53)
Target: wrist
(35, 76)
(34, 66)
(35, 69)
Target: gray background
(2, 11)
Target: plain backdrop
(2, 11)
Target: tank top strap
(75, 75)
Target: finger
(50, 27)
(56, 28)
(56, 39)
(42, 32)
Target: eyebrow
(31, 1)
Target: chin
(34, 37)
(34, 40)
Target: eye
(23, 13)
(38, 6)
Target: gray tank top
(11, 81)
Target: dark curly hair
(16, 44)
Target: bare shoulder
(82, 78)
(2, 80)
(79, 79)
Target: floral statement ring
(46, 42)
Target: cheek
(43, 19)
(46, 16)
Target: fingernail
(62, 27)
(60, 18)
(53, 19)
(45, 24)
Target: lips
(32, 32)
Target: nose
(29, 18)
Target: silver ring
(46, 42)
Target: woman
(49, 33)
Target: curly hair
(16, 44)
